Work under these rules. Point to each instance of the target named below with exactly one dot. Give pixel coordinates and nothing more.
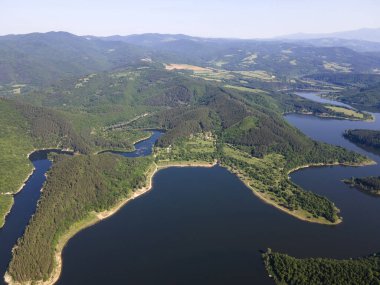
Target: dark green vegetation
(77, 186)
(106, 110)
(24, 128)
(318, 271)
(366, 138)
(41, 59)
(358, 90)
(6, 202)
(92, 94)
(45, 58)
(367, 184)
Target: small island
(285, 269)
(369, 184)
(366, 138)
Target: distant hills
(365, 34)
(41, 59)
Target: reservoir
(203, 226)
(25, 201)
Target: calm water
(24, 207)
(142, 148)
(203, 226)
(26, 200)
(314, 97)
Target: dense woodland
(369, 184)
(232, 112)
(76, 187)
(368, 138)
(23, 128)
(321, 271)
(48, 127)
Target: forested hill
(42, 59)
(24, 128)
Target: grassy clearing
(198, 148)
(214, 75)
(347, 112)
(257, 74)
(267, 176)
(82, 81)
(333, 66)
(250, 59)
(220, 63)
(173, 66)
(217, 74)
(269, 181)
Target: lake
(203, 226)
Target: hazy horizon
(218, 19)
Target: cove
(203, 226)
(25, 201)
(143, 147)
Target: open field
(173, 66)
(217, 74)
(347, 112)
(333, 66)
(200, 147)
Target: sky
(207, 18)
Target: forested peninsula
(230, 117)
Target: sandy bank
(97, 217)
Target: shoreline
(332, 117)
(311, 165)
(19, 189)
(268, 201)
(125, 150)
(94, 218)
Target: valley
(150, 110)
